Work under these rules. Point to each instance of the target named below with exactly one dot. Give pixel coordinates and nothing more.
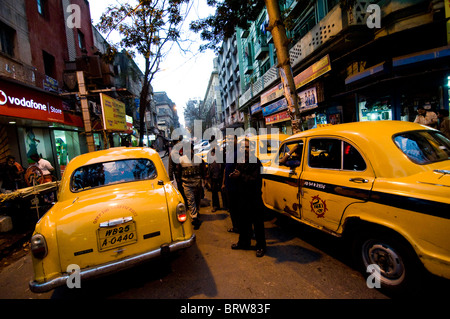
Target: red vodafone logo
(3, 98)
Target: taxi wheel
(391, 257)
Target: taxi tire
(400, 268)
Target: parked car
(384, 185)
(116, 208)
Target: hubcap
(392, 269)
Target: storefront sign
(129, 120)
(272, 94)
(113, 114)
(274, 107)
(313, 72)
(255, 108)
(447, 16)
(278, 117)
(22, 102)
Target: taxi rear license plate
(112, 237)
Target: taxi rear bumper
(93, 272)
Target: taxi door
(281, 179)
(335, 175)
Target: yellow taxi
(265, 145)
(385, 185)
(116, 208)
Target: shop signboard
(274, 107)
(255, 108)
(272, 94)
(313, 72)
(113, 114)
(278, 117)
(22, 102)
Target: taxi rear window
(107, 173)
(423, 147)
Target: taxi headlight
(38, 246)
(181, 212)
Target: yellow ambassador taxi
(116, 208)
(385, 185)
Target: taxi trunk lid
(436, 177)
(113, 222)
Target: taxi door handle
(359, 180)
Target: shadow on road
(180, 276)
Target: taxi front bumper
(112, 267)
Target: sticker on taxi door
(318, 206)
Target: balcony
(261, 49)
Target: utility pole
(280, 40)
(85, 111)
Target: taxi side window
(335, 154)
(295, 150)
(352, 159)
(325, 153)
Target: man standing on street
(248, 175)
(192, 177)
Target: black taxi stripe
(423, 206)
(280, 179)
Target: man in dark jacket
(248, 175)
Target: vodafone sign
(19, 101)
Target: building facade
(352, 61)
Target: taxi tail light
(38, 246)
(181, 212)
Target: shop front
(34, 121)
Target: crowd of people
(238, 182)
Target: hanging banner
(308, 99)
(313, 72)
(114, 116)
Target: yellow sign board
(114, 116)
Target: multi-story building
(36, 42)
(167, 117)
(42, 45)
(212, 102)
(351, 62)
(230, 83)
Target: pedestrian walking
(229, 185)
(248, 176)
(192, 176)
(175, 167)
(215, 171)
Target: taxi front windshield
(424, 147)
(102, 174)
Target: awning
(422, 56)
